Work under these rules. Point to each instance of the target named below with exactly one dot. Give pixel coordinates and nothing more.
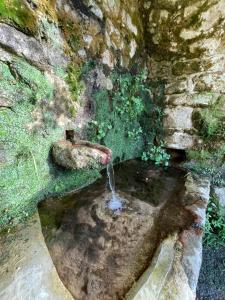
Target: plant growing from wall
(156, 154)
(207, 158)
(18, 12)
(100, 128)
(135, 133)
(210, 121)
(128, 94)
(215, 224)
(132, 112)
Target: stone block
(178, 118)
(180, 140)
(211, 82)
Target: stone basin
(151, 249)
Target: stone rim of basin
(177, 276)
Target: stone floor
(211, 285)
(26, 269)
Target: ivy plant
(156, 154)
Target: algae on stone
(18, 12)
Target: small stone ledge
(180, 140)
(80, 155)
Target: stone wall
(186, 48)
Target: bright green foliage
(126, 118)
(100, 128)
(215, 224)
(128, 94)
(20, 81)
(210, 120)
(157, 154)
(27, 172)
(18, 12)
(135, 133)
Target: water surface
(100, 245)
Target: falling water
(110, 173)
(115, 203)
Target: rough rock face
(30, 48)
(27, 271)
(219, 192)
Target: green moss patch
(26, 136)
(208, 158)
(127, 119)
(28, 175)
(19, 13)
(22, 82)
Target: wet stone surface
(98, 253)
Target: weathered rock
(29, 47)
(180, 140)
(196, 198)
(5, 102)
(194, 46)
(178, 118)
(81, 155)
(26, 268)
(157, 282)
(191, 100)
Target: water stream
(115, 203)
